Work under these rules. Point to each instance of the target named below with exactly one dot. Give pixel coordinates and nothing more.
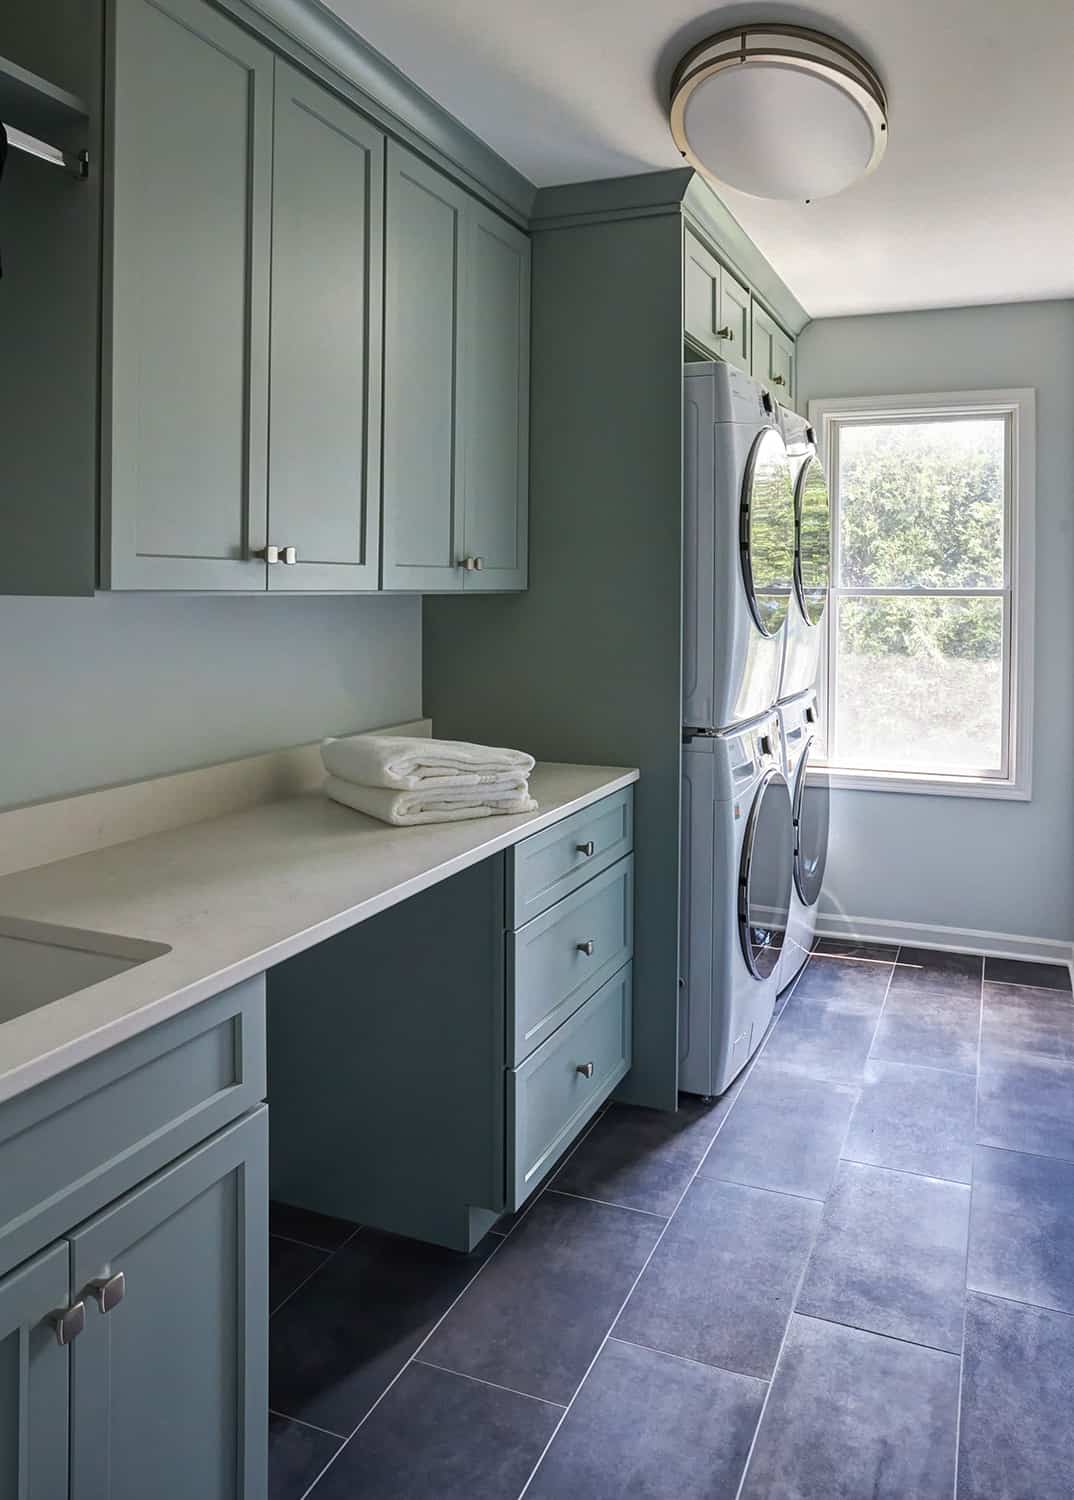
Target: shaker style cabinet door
(701, 291)
(186, 299)
(325, 342)
(169, 1379)
(496, 404)
(34, 1370)
(773, 356)
(734, 321)
(423, 371)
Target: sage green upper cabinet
(186, 309)
(497, 395)
(325, 352)
(717, 305)
(456, 387)
(773, 356)
(34, 1372)
(424, 481)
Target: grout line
(523, 1215)
(327, 1256)
(1018, 1151)
(321, 1249)
(1017, 984)
(969, 1228)
(494, 1385)
(875, 1333)
(880, 1166)
(299, 1422)
(657, 1242)
(685, 1359)
(756, 1187)
(894, 1062)
(605, 1203)
(1018, 1302)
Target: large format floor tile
(1022, 971)
(890, 1256)
(297, 1454)
(535, 1317)
(290, 1264)
(785, 1132)
(1016, 1439)
(336, 1344)
(1017, 1021)
(643, 1158)
(936, 965)
(931, 1019)
(437, 1436)
(648, 1426)
(853, 1415)
(1022, 1228)
(1026, 1103)
(828, 1023)
(307, 1228)
(915, 1120)
(722, 1282)
(882, 953)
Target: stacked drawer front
(571, 908)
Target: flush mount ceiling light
(779, 112)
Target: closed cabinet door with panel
(717, 305)
(325, 351)
(423, 371)
(496, 331)
(735, 321)
(186, 299)
(169, 1377)
(773, 356)
(37, 1325)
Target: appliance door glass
(812, 806)
(766, 874)
(766, 531)
(812, 564)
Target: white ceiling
(974, 201)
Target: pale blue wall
(120, 687)
(961, 862)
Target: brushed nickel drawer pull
(69, 1322)
(586, 1069)
(586, 947)
(587, 848)
(109, 1291)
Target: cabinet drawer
(550, 1098)
(559, 959)
(73, 1144)
(549, 865)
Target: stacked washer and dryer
(754, 814)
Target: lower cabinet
(133, 1352)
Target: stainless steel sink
(40, 963)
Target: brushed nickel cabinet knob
(585, 1069)
(268, 554)
(289, 556)
(69, 1322)
(586, 947)
(727, 333)
(587, 848)
(108, 1291)
(473, 564)
(778, 380)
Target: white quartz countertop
(234, 895)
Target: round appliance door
(766, 874)
(813, 559)
(766, 531)
(812, 808)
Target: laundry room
(536, 809)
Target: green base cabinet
(34, 1374)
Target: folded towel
(433, 805)
(398, 762)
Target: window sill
(926, 785)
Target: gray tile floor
(852, 1276)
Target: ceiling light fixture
(778, 112)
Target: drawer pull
(586, 947)
(587, 848)
(69, 1322)
(586, 1070)
(109, 1291)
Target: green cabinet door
(496, 403)
(169, 1386)
(735, 321)
(424, 480)
(186, 306)
(325, 353)
(34, 1372)
(773, 356)
(701, 293)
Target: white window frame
(1019, 408)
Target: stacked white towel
(408, 781)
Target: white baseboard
(42, 832)
(953, 939)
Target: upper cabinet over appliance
(717, 306)
(773, 356)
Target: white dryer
(738, 576)
(812, 530)
(737, 856)
(810, 807)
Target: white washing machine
(810, 809)
(812, 523)
(737, 858)
(738, 576)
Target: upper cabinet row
(723, 320)
(316, 347)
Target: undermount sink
(40, 963)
